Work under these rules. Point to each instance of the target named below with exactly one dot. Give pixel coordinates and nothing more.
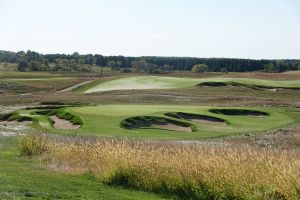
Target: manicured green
(160, 82)
(105, 121)
(23, 178)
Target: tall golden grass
(187, 171)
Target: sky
(257, 29)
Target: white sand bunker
(155, 122)
(173, 127)
(241, 112)
(63, 124)
(202, 119)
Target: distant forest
(34, 61)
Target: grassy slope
(95, 83)
(22, 179)
(156, 82)
(105, 121)
(142, 82)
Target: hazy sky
(198, 28)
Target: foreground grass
(188, 171)
(22, 178)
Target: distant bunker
(156, 123)
(202, 119)
(63, 124)
(213, 84)
(237, 84)
(245, 112)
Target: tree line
(34, 61)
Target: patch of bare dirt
(63, 124)
(14, 128)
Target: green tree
(146, 67)
(269, 67)
(22, 65)
(200, 68)
(100, 60)
(89, 59)
(167, 68)
(80, 61)
(114, 65)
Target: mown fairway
(105, 121)
(158, 82)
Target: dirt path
(63, 124)
(76, 86)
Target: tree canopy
(200, 68)
(34, 61)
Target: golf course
(102, 136)
(149, 100)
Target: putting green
(160, 82)
(107, 120)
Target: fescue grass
(22, 178)
(187, 171)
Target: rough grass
(188, 171)
(22, 178)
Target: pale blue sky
(198, 28)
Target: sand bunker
(155, 122)
(172, 127)
(213, 84)
(245, 112)
(63, 124)
(202, 119)
(251, 86)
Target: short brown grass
(188, 171)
